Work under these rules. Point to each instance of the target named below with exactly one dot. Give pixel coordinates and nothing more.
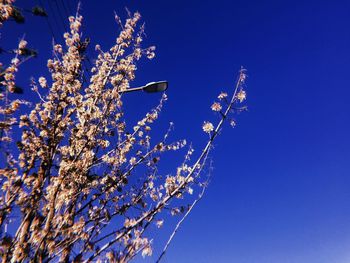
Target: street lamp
(151, 87)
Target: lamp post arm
(132, 89)
(151, 87)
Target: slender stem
(180, 222)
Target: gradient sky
(280, 190)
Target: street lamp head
(158, 86)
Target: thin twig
(180, 222)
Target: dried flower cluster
(6, 10)
(84, 184)
(208, 127)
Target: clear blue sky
(281, 185)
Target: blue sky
(280, 187)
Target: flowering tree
(72, 180)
